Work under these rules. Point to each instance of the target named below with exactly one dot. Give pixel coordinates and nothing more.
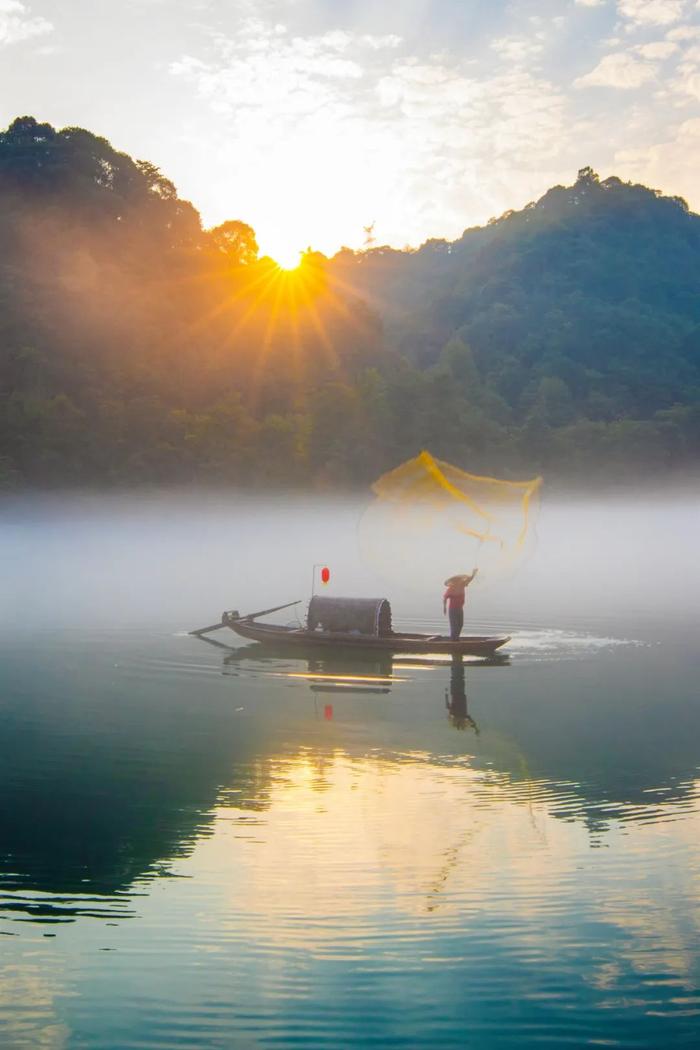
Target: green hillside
(136, 346)
(596, 285)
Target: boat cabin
(350, 615)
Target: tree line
(136, 346)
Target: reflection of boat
(360, 624)
(342, 670)
(345, 659)
(329, 671)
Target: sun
(287, 258)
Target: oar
(248, 616)
(211, 627)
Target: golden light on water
(342, 677)
(343, 838)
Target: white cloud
(670, 163)
(590, 3)
(17, 23)
(517, 49)
(691, 59)
(378, 42)
(651, 12)
(337, 128)
(623, 70)
(658, 49)
(683, 33)
(687, 83)
(267, 71)
(425, 144)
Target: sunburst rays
(271, 325)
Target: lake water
(206, 846)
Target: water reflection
(311, 854)
(456, 698)
(325, 670)
(346, 665)
(112, 776)
(284, 834)
(600, 750)
(106, 778)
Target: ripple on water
(372, 878)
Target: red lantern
(325, 574)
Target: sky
(313, 120)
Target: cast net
(431, 520)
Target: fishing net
(431, 520)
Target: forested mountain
(596, 285)
(134, 345)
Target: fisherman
(453, 602)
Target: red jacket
(454, 597)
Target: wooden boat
(361, 624)
(395, 642)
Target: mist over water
(212, 845)
(177, 558)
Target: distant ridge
(599, 275)
(135, 346)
